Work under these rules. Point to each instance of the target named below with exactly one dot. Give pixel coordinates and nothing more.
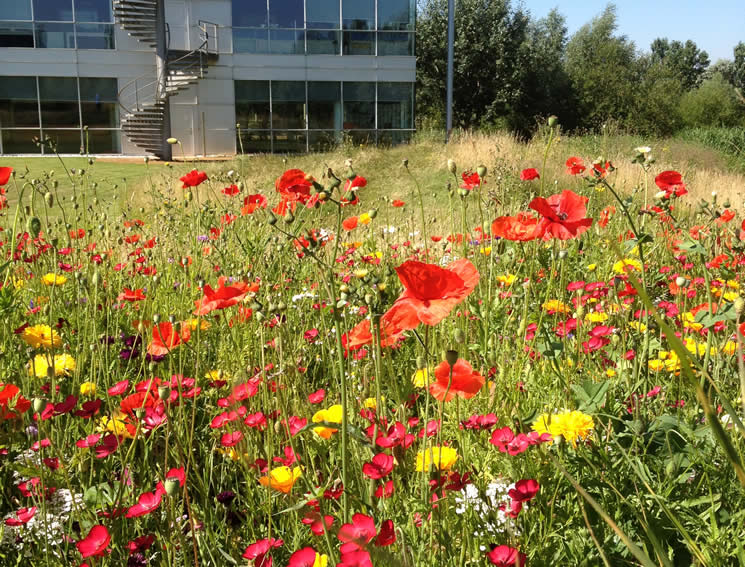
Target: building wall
(203, 117)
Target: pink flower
(146, 503)
(23, 516)
(381, 466)
(505, 556)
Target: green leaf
(590, 395)
(693, 247)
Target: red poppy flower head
(563, 215)
(575, 166)
(5, 175)
(193, 179)
(294, 185)
(520, 228)
(95, 543)
(529, 174)
(671, 182)
(505, 556)
(463, 381)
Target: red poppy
(529, 174)
(357, 534)
(505, 556)
(350, 223)
(259, 550)
(12, 403)
(575, 166)
(725, 217)
(231, 190)
(318, 525)
(253, 202)
(525, 490)
(380, 466)
(471, 180)
(5, 175)
(305, 557)
(431, 291)
(23, 516)
(166, 338)
(131, 295)
(294, 185)
(95, 543)
(139, 400)
(353, 184)
(465, 383)
(193, 179)
(671, 182)
(393, 323)
(397, 203)
(606, 215)
(225, 296)
(521, 228)
(146, 503)
(601, 169)
(563, 215)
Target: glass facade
(299, 116)
(59, 24)
(77, 114)
(324, 27)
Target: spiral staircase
(145, 117)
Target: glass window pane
(20, 141)
(286, 13)
(93, 11)
(359, 43)
(252, 108)
(250, 41)
(395, 43)
(288, 104)
(63, 141)
(55, 36)
(255, 141)
(95, 36)
(59, 102)
(324, 105)
(395, 14)
(289, 42)
(322, 14)
(394, 138)
(323, 141)
(102, 141)
(359, 106)
(98, 99)
(395, 105)
(15, 9)
(358, 14)
(360, 137)
(16, 34)
(323, 42)
(289, 142)
(53, 10)
(19, 107)
(250, 13)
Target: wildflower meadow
(550, 372)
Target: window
(324, 27)
(296, 116)
(359, 106)
(58, 24)
(50, 107)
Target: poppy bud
(452, 168)
(33, 226)
(272, 220)
(172, 141)
(39, 403)
(680, 281)
(482, 171)
(156, 318)
(563, 254)
(281, 306)
(289, 218)
(323, 196)
(49, 199)
(451, 357)
(373, 213)
(421, 362)
(739, 305)
(459, 336)
(522, 328)
(405, 162)
(164, 392)
(189, 196)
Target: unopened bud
(164, 392)
(482, 171)
(39, 404)
(452, 168)
(739, 305)
(459, 336)
(171, 486)
(172, 141)
(552, 121)
(680, 281)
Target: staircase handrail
(144, 89)
(208, 39)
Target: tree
(603, 71)
(684, 59)
(738, 68)
(714, 103)
(489, 61)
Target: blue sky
(715, 25)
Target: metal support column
(161, 68)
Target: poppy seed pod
(482, 171)
(39, 403)
(164, 392)
(680, 281)
(33, 226)
(421, 363)
(552, 121)
(451, 357)
(171, 486)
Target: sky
(715, 25)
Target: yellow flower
(420, 378)
(730, 348)
(507, 279)
(443, 458)
(333, 414)
(214, 375)
(41, 336)
(637, 326)
(592, 267)
(53, 279)
(361, 273)
(571, 425)
(116, 424)
(372, 403)
(19, 283)
(610, 373)
(656, 365)
(63, 365)
(201, 323)
(627, 265)
(281, 479)
(731, 295)
(364, 218)
(88, 389)
(321, 560)
(556, 306)
(596, 317)
(485, 250)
